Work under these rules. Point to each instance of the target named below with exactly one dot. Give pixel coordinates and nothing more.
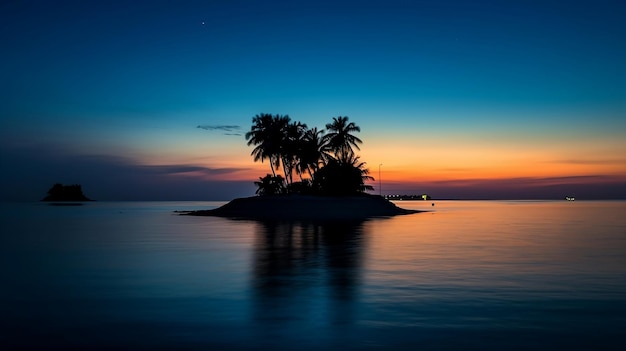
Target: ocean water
(468, 275)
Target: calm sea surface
(483, 275)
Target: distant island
(65, 193)
(332, 179)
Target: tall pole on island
(380, 182)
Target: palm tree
(329, 159)
(343, 177)
(340, 137)
(291, 148)
(314, 151)
(266, 134)
(270, 185)
(359, 167)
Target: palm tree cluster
(324, 162)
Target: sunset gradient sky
(149, 100)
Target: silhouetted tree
(267, 133)
(270, 185)
(291, 148)
(314, 152)
(340, 137)
(328, 159)
(343, 177)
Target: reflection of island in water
(307, 272)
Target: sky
(150, 100)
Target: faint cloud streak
(180, 169)
(227, 129)
(590, 162)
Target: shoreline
(305, 207)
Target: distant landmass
(60, 192)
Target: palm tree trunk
(286, 170)
(272, 166)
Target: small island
(65, 194)
(332, 179)
(306, 207)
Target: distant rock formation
(60, 192)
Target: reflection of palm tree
(266, 134)
(294, 262)
(340, 138)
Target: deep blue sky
(120, 87)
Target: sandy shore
(300, 207)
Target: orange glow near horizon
(411, 160)
(432, 159)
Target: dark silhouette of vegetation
(332, 177)
(345, 177)
(60, 192)
(270, 185)
(325, 163)
(267, 134)
(340, 138)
